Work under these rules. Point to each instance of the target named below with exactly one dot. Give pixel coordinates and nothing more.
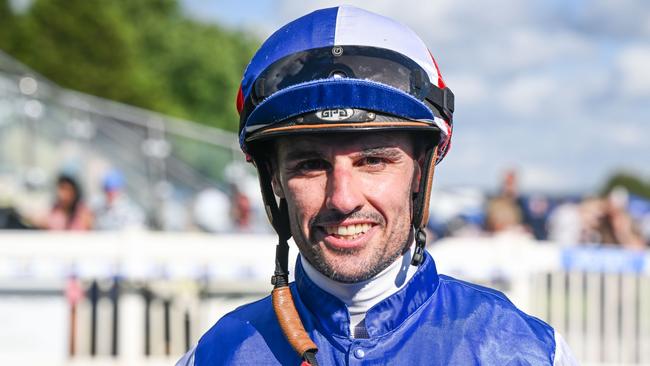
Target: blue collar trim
(332, 315)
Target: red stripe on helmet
(445, 145)
(240, 100)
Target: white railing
(170, 288)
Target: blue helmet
(342, 62)
(345, 69)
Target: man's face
(349, 198)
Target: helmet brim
(421, 128)
(334, 94)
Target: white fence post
(131, 329)
(576, 308)
(594, 324)
(644, 320)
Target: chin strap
(283, 305)
(421, 205)
(420, 242)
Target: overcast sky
(559, 90)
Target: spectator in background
(11, 219)
(504, 212)
(240, 209)
(565, 222)
(615, 225)
(535, 215)
(211, 211)
(509, 186)
(503, 215)
(117, 212)
(601, 221)
(520, 213)
(591, 211)
(69, 211)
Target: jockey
(345, 115)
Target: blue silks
(433, 320)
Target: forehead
(343, 143)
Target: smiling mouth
(347, 232)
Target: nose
(344, 193)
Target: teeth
(348, 230)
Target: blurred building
(46, 130)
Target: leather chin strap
(283, 305)
(421, 205)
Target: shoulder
(248, 332)
(488, 314)
(472, 296)
(240, 323)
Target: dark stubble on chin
(318, 261)
(379, 261)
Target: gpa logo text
(335, 115)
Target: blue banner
(603, 259)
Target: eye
(371, 161)
(310, 165)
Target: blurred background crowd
(614, 216)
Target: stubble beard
(378, 260)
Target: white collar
(359, 297)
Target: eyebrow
(384, 151)
(299, 154)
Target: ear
(275, 183)
(417, 172)
(271, 164)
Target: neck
(359, 297)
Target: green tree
(145, 53)
(6, 17)
(201, 64)
(632, 183)
(9, 32)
